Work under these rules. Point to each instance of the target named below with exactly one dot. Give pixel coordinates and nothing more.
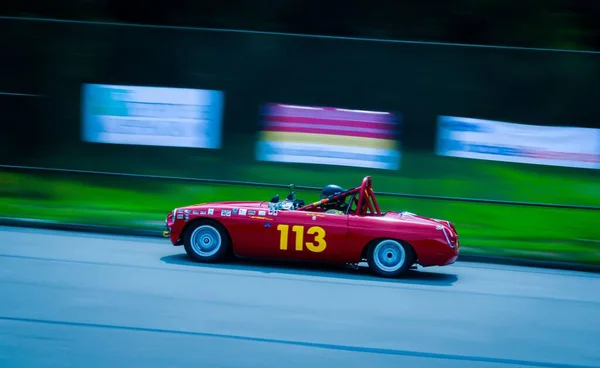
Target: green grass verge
(420, 173)
(451, 177)
(500, 230)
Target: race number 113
(317, 245)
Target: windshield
(282, 205)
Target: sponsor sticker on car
(261, 218)
(225, 212)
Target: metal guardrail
(269, 185)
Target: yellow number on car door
(317, 245)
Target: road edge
(114, 230)
(82, 228)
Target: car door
(304, 235)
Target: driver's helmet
(331, 190)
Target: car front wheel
(206, 242)
(389, 258)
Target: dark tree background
(569, 24)
(48, 62)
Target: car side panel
(311, 236)
(429, 244)
(253, 235)
(244, 230)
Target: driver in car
(338, 206)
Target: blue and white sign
(509, 142)
(154, 116)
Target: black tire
(206, 241)
(389, 257)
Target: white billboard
(155, 116)
(510, 142)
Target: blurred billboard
(510, 142)
(329, 136)
(155, 116)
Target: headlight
(449, 238)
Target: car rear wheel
(206, 242)
(389, 258)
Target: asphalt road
(82, 300)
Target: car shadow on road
(416, 277)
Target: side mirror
(275, 198)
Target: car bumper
(173, 233)
(167, 232)
(442, 256)
(448, 261)
(438, 259)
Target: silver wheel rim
(389, 255)
(205, 241)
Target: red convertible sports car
(345, 226)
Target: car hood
(232, 204)
(414, 218)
